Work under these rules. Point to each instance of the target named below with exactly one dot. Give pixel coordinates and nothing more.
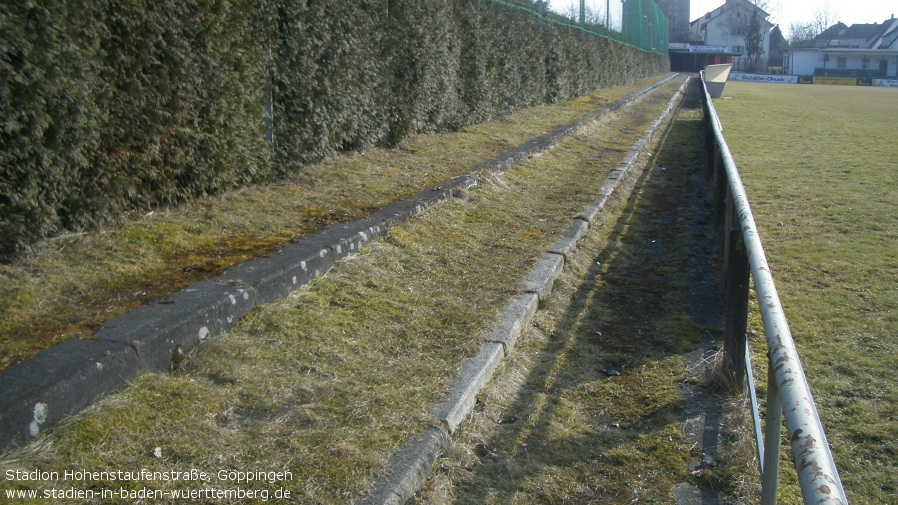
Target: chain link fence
(637, 23)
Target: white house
(861, 50)
(727, 27)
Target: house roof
(861, 36)
(888, 36)
(862, 31)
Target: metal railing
(788, 394)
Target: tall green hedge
(51, 124)
(113, 105)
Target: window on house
(841, 62)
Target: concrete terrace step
(578, 416)
(409, 468)
(66, 378)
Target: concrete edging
(543, 275)
(472, 376)
(514, 318)
(407, 469)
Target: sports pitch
(819, 164)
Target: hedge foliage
(114, 105)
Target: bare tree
(824, 17)
(800, 33)
(740, 24)
(764, 5)
(595, 15)
(592, 16)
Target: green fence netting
(645, 26)
(637, 23)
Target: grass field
(819, 164)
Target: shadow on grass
(598, 417)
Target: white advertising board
(779, 79)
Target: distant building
(728, 27)
(719, 36)
(860, 50)
(677, 13)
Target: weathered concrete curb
(542, 277)
(149, 338)
(407, 469)
(472, 376)
(567, 244)
(515, 316)
(90, 368)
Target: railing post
(582, 18)
(540, 10)
(717, 185)
(737, 271)
(770, 470)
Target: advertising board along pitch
(776, 79)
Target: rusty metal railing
(788, 394)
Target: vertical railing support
(540, 13)
(582, 18)
(736, 303)
(773, 425)
(755, 410)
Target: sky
(782, 12)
